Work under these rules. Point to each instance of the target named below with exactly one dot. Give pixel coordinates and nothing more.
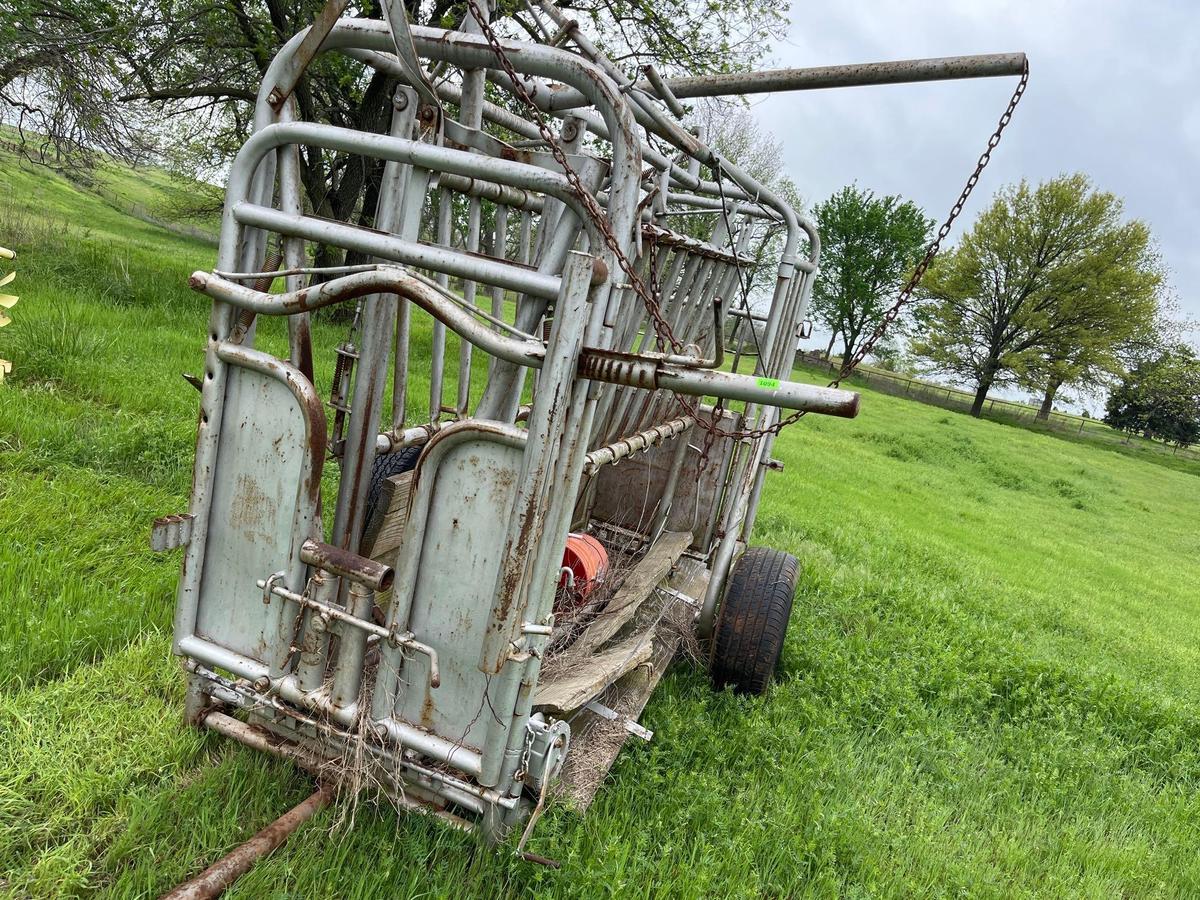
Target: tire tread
(748, 638)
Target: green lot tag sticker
(769, 383)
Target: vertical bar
(470, 115)
(437, 352)
(536, 491)
(410, 195)
(470, 290)
(557, 233)
(523, 254)
(500, 250)
(299, 325)
(378, 326)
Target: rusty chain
(935, 245)
(595, 213)
(905, 297)
(649, 297)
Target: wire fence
(952, 398)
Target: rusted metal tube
(643, 440)
(901, 71)
(419, 435)
(527, 352)
(650, 372)
(357, 568)
(493, 191)
(256, 738)
(767, 391)
(217, 878)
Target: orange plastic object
(588, 561)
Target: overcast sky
(1113, 92)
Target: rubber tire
(383, 468)
(753, 620)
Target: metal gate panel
(257, 517)
(461, 511)
(628, 494)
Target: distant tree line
(1051, 288)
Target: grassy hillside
(990, 684)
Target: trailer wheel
(383, 468)
(752, 622)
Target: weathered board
(596, 742)
(581, 683)
(381, 542)
(386, 536)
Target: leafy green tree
(868, 245)
(1045, 288)
(61, 71)
(1160, 398)
(1097, 328)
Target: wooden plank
(596, 743)
(380, 545)
(583, 682)
(395, 497)
(639, 584)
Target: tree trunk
(849, 341)
(986, 377)
(829, 349)
(1052, 387)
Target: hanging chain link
(906, 293)
(905, 297)
(595, 213)
(649, 297)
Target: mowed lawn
(991, 685)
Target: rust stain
(253, 509)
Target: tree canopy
(1160, 398)
(1045, 288)
(868, 245)
(87, 73)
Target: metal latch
(169, 532)
(613, 716)
(775, 465)
(683, 598)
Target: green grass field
(991, 685)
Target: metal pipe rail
(901, 71)
(643, 440)
(383, 279)
(633, 370)
(240, 208)
(270, 588)
(213, 881)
